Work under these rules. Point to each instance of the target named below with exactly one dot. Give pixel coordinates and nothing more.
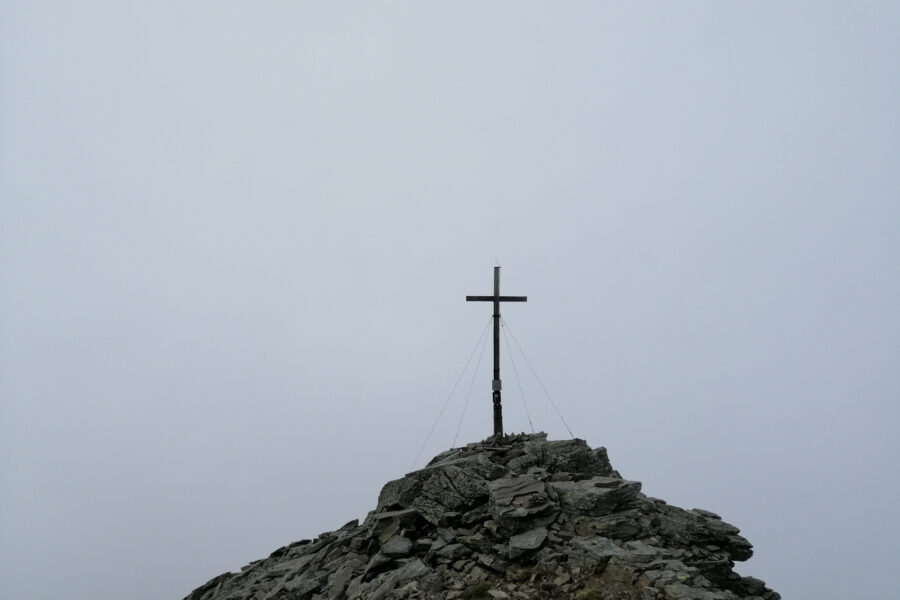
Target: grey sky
(236, 238)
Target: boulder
(397, 546)
(596, 496)
(521, 502)
(529, 541)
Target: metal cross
(495, 385)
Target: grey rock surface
(518, 518)
(527, 542)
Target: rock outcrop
(520, 518)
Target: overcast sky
(236, 239)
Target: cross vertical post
(495, 384)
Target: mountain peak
(516, 517)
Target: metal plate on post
(496, 386)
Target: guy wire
(536, 376)
(516, 371)
(469, 395)
(450, 395)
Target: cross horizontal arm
(500, 298)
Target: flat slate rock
(527, 542)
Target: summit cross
(495, 384)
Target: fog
(236, 241)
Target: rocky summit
(519, 518)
